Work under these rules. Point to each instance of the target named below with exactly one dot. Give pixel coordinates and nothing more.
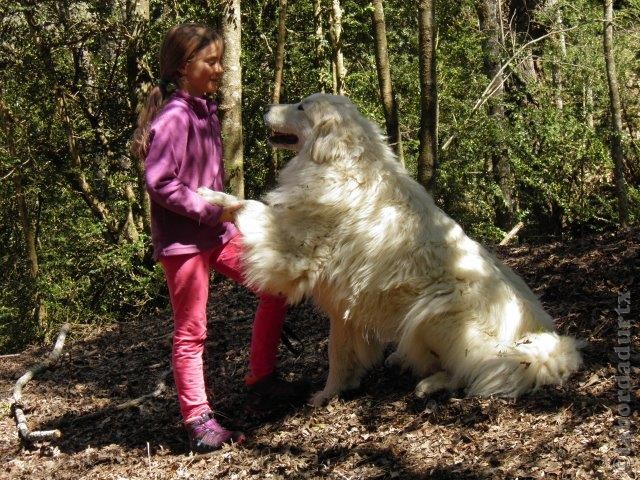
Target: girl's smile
(201, 75)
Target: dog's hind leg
(434, 383)
(414, 354)
(350, 354)
(420, 364)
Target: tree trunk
(129, 229)
(276, 155)
(559, 54)
(142, 9)
(428, 148)
(231, 105)
(387, 94)
(490, 21)
(137, 18)
(588, 103)
(338, 69)
(616, 116)
(323, 79)
(138, 13)
(29, 232)
(523, 27)
(279, 67)
(39, 312)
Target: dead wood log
(17, 406)
(512, 233)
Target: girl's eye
(300, 107)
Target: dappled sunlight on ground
(379, 431)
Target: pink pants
(188, 281)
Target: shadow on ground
(379, 431)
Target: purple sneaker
(206, 434)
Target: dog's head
(328, 126)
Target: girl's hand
(228, 212)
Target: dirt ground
(380, 431)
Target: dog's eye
(300, 107)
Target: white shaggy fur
(347, 226)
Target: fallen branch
(161, 386)
(18, 408)
(512, 233)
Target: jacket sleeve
(167, 149)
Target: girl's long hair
(179, 46)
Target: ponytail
(156, 99)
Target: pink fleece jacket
(185, 153)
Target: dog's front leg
(344, 368)
(217, 198)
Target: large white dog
(347, 226)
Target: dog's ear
(330, 140)
(323, 144)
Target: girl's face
(202, 74)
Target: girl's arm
(167, 149)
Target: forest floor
(380, 431)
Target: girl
(178, 136)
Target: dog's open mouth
(283, 138)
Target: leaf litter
(380, 431)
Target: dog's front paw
(321, 398)
(217, 198)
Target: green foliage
(92, 281)
(102, 60)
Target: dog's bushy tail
(538, 359)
